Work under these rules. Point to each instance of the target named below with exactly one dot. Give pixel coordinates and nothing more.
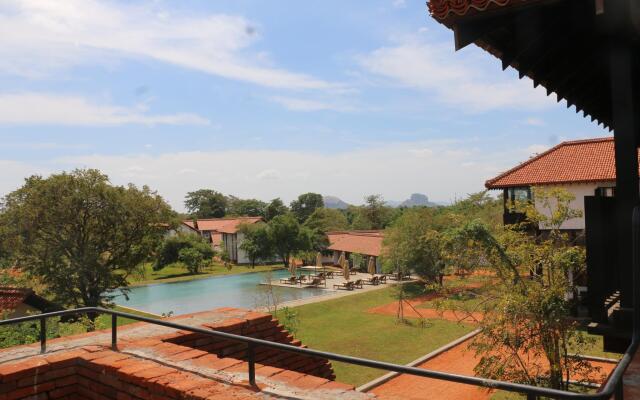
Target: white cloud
(42, 108)
(394, 170)
(534, 121)
(37, 38)
(458, 80)
(298, 104)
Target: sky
(263, 99)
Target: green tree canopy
(274, 208)
(246, 207)
(289, 237)
(414, 243)
(327, 219)
(305, 205)
(206, 203)
(172, 246)
(81, 234)
(374, 214)
(257, 242)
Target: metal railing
(613, 386)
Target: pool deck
(329, 292)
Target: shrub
(171, 248)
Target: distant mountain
(417, 200)
(334, 202)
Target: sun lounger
(301, 279)
(329, 275)
(348, 285)
(374, 280)
(292, 280)
(382, 279)
(358, 283)
(315, 282)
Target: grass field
(343, 326)
(176, 273)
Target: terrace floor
(164, 363)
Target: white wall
(579, 191)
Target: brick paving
(161, 363)
(459, 360)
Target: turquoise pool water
(243, 291)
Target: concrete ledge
(385, 378)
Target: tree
(288, 237)
(206, 203)
(257, 243)
(527, 333)
(305, 205)
(192, 259)
(274, 208)
(414, 242)
(479, 206)
(374, 214)
(327, 219)
(171, 249)
(246, 207)
(81, 234)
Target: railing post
(114, 332)
(251, 359)
(619, 393)
(43, 335)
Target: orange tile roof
(442, 9)
(362, 242)
(12, 297)
(590, 160)
(223, 225)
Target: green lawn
(343, 326)
(173, 273)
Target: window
(606, 191)
(519, 194)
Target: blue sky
(263, 99)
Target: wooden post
(625, 111)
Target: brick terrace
(154, 362)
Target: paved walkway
(329, 293)
(459, 360)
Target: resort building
(223, 233)
(18, 302)
(365, 243)
(582, 167)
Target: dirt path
(449, 315)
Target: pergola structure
(587, 53)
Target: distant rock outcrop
(417, 200)
(334, 202)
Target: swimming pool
(242, 291)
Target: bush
(172, 247)
(192, 258)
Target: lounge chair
(301, 279)
(315, 282)
(329, 275)
(321, 275)
(348, 285)
(382, 279)
(358, 283)
(374, 280)
(292, 280)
